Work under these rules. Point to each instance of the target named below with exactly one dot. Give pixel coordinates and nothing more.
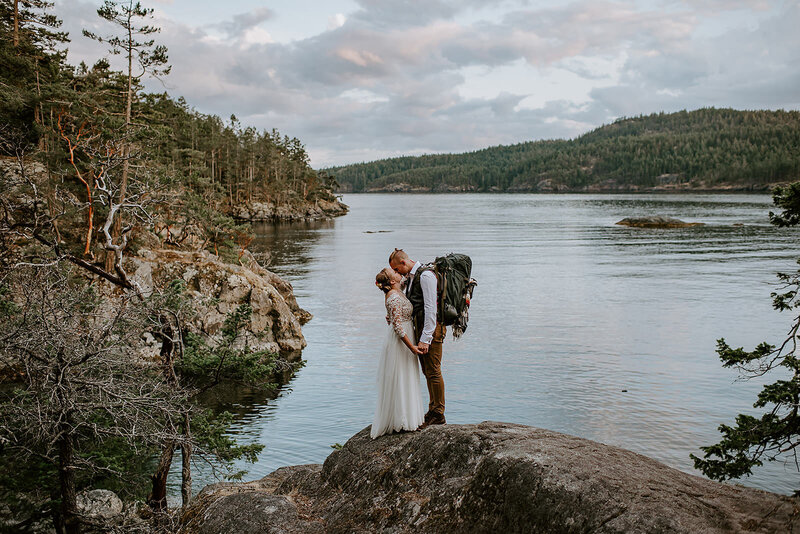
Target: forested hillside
(106, 144)
(706, 149)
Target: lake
(577, 325)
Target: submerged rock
(657, 222)
(489, 477)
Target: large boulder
(489, 477)
(218, 288)
(99, 504)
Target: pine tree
(776, 433)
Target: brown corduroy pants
(432, 369)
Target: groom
(421, 291)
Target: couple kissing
(414, 340)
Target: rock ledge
(489, 477)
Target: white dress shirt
(428, 282)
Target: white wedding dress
(399, 404)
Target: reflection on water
(577, 325)
(241, 401)
(289, 245)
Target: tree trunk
(66, 476)
(16, 23)
(186, 461)
(126, 150)
(158, 496)
(167, 348)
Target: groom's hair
(398, 255)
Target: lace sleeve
(393, 306)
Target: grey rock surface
(489, 477)
(99, 504)
(219, 288)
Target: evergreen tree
(31, 65)
(776, 433)
(138, 48)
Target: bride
(399, 404)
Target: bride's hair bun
(383, 281)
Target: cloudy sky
(357, 80)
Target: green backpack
(454, 290)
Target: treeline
(94, 127)
(229, 163)
(704, 149)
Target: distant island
(703, 150)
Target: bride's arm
(393, 314)
(413, 348)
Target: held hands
(422, 348)
(413, 348)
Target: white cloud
(362, 95)
(257, 35)
(336, 21)
(416, 76)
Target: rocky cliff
(268, 211)
(218, 288)
(489, 477)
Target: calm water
(577, 325)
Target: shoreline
(666, 192)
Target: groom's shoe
(437, 419)
(434, 419)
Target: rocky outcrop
(657, 222)
(401, 187)
(218, 288)
(489, 477)
(268, 211)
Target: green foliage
(775, 433)
(221, 231)
(228, 360)
(31, 66)
(787, 198)
(149, 56)
(702, 148)
(211, 432)
(81, 405)
(123, 469)
(7, 306)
